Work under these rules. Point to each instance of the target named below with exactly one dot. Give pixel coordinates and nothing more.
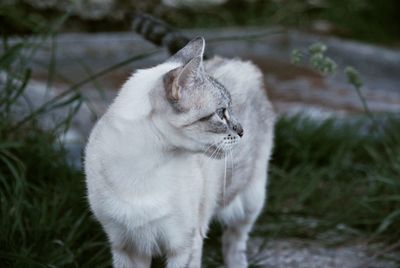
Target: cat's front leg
(234, 245)
(197, 249)
(239, 218)
(123, 258)
(124, 253)
(187, 257)
(179, 258)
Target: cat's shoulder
(233, 66)
(240, 77)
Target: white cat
(170, 154)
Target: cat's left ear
(195, 48)
(185, 78)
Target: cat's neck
(143, 139)
(134, 125)
(133, 100)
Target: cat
(184, 142)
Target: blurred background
(331, 69)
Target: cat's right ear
(195, 48)
(183, 79)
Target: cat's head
(196, 113)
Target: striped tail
(158, 32)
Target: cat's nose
(238, 129)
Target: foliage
(316, 58)
(337, 173)
(45, 219)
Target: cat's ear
(184, 78)
(193, 49)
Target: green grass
(45, 221)
(337, 173)
(328, 172)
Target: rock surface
(291, 87)
(291, 253)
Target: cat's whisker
(231, 156)
(220, 149)
(215, 151)
(224, 182)
(209, 147)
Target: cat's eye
(220, 112)
(206, 118)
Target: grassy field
(338, 175)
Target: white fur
(150, 200)
(133, 101)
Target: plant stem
(366, 108)
(47, 105)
